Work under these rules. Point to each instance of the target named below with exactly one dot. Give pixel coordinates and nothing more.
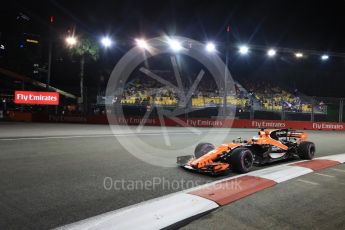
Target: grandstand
(273, 98)
(262, 96)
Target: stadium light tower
(175, 45)
(71, 40)
(243, 49)
(141, 43)
(271, 52)
(106, 42)
(324, 57)
(210, 47)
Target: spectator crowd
(262, 95)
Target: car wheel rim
(247, 161)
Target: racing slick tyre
(203, 148)
(241, 160)
(306, 150)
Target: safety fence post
(341, 109)
(312, 109)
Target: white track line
(104, 135)
(324, 175)
(308, 182)
(89, 136)
(338, 170)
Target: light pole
(50, 51)
(71, 41)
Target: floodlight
(243, 49)
(210, 47)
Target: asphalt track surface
(55, 174)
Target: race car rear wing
(288, 133)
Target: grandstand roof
(15, 76)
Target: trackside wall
(195, 122)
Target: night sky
(316, 25)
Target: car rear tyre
(203, 148)
(306, 150)
(241, 160)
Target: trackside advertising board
(196, 122)
(36, 98)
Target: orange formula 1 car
(240, 155)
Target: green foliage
(87, 48)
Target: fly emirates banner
(36, 98)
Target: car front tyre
(241, 160)
(203, 148)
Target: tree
(85, 49)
